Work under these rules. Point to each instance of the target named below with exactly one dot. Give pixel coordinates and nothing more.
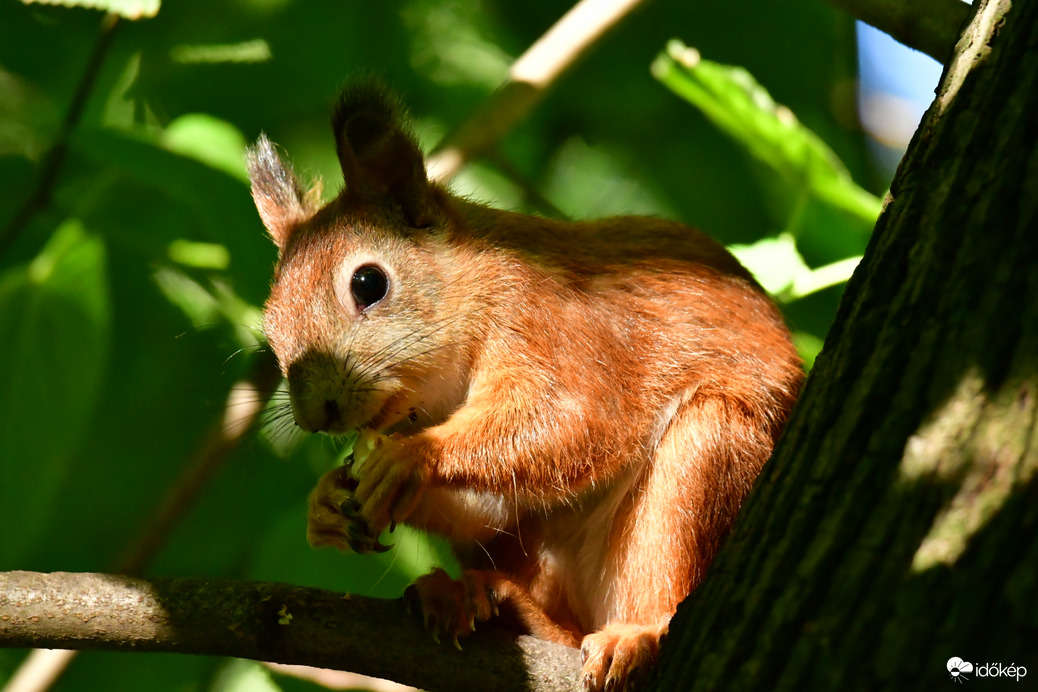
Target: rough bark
(269, 622)
(895, 526)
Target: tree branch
(929, 26)
(269, 622)
(55, 157)
(528, 79)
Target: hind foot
(619, 656)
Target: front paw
(334, 516)
(392, 477)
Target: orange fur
(581, 407)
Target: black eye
(368, 285)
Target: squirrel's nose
(331, 413)
(311, 389)
(318, 418)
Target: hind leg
(679, 512)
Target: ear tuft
(281, 202)
(380, 158)
(366, 113)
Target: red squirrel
(579, 408)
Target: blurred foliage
(805, 175)
(129, 303)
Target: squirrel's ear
(379, 156)
(281, 202)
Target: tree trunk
(895, 526)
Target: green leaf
(238, 675)
(210, 140)
(220, 201)
(55, 318)
(130, 9)
(740, 107)
(808, 347)
(779, 268)
(199, 255)
(208, 304)
(774, 262)
(256, 50)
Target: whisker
(229, 358)
(398, 345)
(486, 552)
(515, 503)
(389, 568)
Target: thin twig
(40, 197)
(338, 679)
(528, 80)
(531, 195)
(270, 622)
(929, 26)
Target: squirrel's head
(359, 312)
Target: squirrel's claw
(335, 517)
(619, 656)
(450, 608)
(391, 485)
